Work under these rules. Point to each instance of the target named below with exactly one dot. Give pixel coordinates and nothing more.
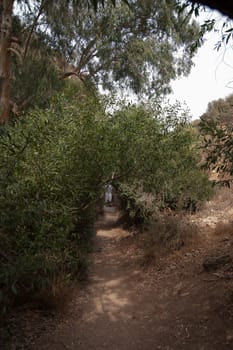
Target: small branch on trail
(64, 345)
(210, 280)
(223, 183)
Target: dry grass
(55, 297)
(166, 233)
(222, 201)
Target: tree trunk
(6, 9)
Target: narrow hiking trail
(172, 305)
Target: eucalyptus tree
(225, 7)
(11, 46)
(141, 46)
(135, 44)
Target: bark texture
(6, 8)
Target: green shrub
(159, 154)
(137, 205)
(52, 166)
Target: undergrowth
(49, 183)
(167, 232)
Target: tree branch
(86, 55)
(69, 74)
(16, 52)
(225, 7)
(43, 2)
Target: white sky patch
(210, 79)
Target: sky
(211, 77)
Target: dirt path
(174, 305)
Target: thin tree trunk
(6, 9)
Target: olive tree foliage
(217, 131)
(159, 155)
(53, 168)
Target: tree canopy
(220, 111)
(140, 45)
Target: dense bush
(137, 206)
(160, 155)
(52, 168)
(54, 164)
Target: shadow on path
(119, 310)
